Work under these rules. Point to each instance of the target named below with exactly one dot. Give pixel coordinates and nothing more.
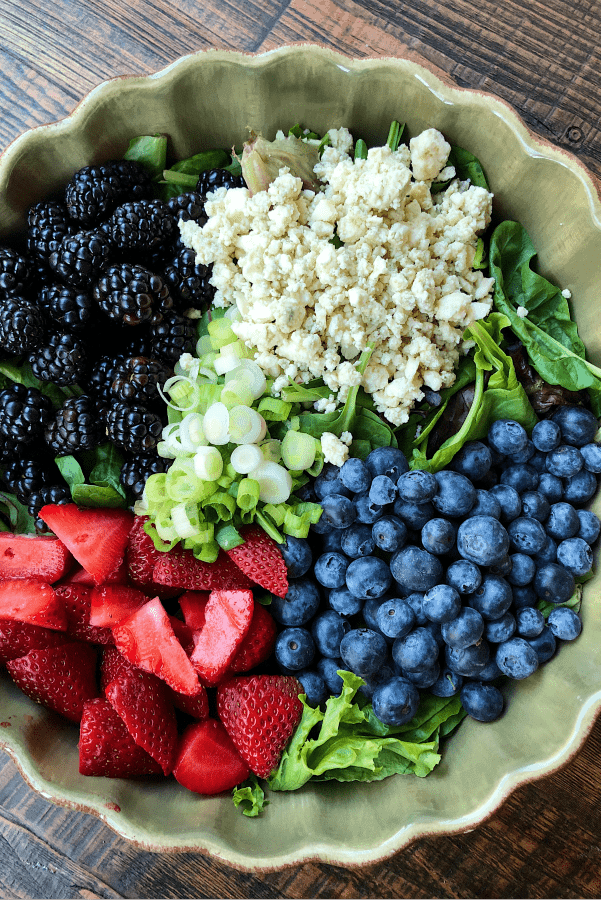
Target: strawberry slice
(180, 568)
(110, 603)
(141, 557)
(61, 678)
(193, 604)
(112, 665)
(77, 599)
(78, 575)
(260, 713)
(183, 633)
(42, 557)
(146, 639)
(196, 706)
(106, 747)
(97, 538)
(258, 643)
(207, 761)
(143, 703)
(228, 616)
(261, 560)
(18, 638)
(32, 601)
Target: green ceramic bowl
(549, 715)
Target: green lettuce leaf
(250, 797)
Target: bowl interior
(212, 99)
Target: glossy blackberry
(57, 494)
(188, 206)
(138, 342)
(95, 191)
(48, 223)
(69, 308)
(15, 272)
(140, 225)
(189, 282)
(79, 257)
(138, 379)
(171, 337)
(75, 427)
(24, 413)
(133, 427)
(62, 360)
(131, 294)
(101, 379)
(25, 476)
(8, 450)
(216, 178)
(21, 325)
(136, 470)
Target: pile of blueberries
(419, 581)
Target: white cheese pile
(402, 279)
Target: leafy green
(94, 477)
(467, 168)
(250, 796)
(574, 602)
(150, 150)
(395, 133)
(15, 516)
(71, 470)
(183, 175)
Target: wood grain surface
(543, 57)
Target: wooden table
(543, 57)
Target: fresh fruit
(180, 568)
(207, 760)
(97, 538)
(183, 633)
(141, 557)
(62, 678)
(77, 602)
(196, 706)
(42, 557)
(143, 703)
(258, 643)
(193, 604)
(106, 747)
(260, 559)
(146, 638)
(260, 713)
(112, 665)
(78, 575)
(228, 615)
(110, 603)
(28, 600)
(18, 638)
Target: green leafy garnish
(467, 168)
(250, 796)
(150, 151)
(94, 477)
(14, 516)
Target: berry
(554, 583)
(74, 427)
(482, 540)
(591, 454)
(79, 257)
(523, 569)
(207, 761)
(40, 557)
(313, 686)
(294, 649)
(564, 461)
(416, 569)
(482, 702)
(396, 701)
(261, 560)
(448, 684)
(529, 622)
(342, 601)
(546, 435)
(69, 308)
(140, 225)
(363, 651)
(441, 603)
(15, 272)
(535, 505)
(395, 618)
(580, 488)
(211, 179)
(21, 325)
(106, 747)
(474, 460)
(131, 294)
(516, 658)
(589, 526)
(94, 191)
(575, 555)
(228, 615)
(24, 413)
(562, 521)
(493, 598)
(438, 536)
(389, 534)
(382, 490)
(297, 555)
(368, 577)
(386, 461)
(258, 642)
(468, 661)
(509, 500)
(544, 645)
(564, 623)
(188, 281)
(507, 437)
(455, 495)
(526, 535)
(48, 224)
(138, 380)
(330, 569)
(464, 630)
(357, 540)
(135, 472)
(464, 576)
(133, 427)
(355, 476)
(171, 337)
(180, 569)
(328, 669)
(415, 652)
(61, 361)
(417, 486)
(18, 638)
(328, 629)
(299, 605)
(578, 425)
(76, 598)
(499, 630)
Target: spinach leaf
(94, 478)
(467, 168)
(150, 150)
(15, 516)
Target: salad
(296, 449)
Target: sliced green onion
(230, 356)
(155, 490)
(268, 526)
(274, 410)
(184, 392)
(208, 463)
(312, 510)
(236, 392)
(185, 488)
(360, 149)
(166, 530)
(245, 458)
(249, 370)
(185, 519)
(272, 450)
(209, 394)
(248, 493)
(220, 333)
(275, 482)
(246, 426)
(206, 552)
(228, 537)
(298, 450)
(204, 535)
(219, 507)
(296, 526)
(216, 424)
(191, 434)
(277, 513)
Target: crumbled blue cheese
(336, 450)
(402, 280)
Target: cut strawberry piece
(141, 557)
(107, 748)
(112, 665)
(207, 760)
(196, 706)
(183, 633)
(228, 616)
(78, 575)
(146, 639)
(18, 638)
(42, 557)
(97, 538)
(193, 604)
(260, 713)
(260, 559)
(32, 601)
(180, 568)
(76, 599)
(110, 603)
(61, 678)
(143, 703)
(258, 642)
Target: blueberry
(417, 486)
(551, 487)
(499, 630)
(546, 435)
(435, 629)
(473, 460)
(328, 669)
(522, 456)
(342, 601)
(523, 596)
(357, 541)
(416, 652)
(367, 512)
(529, 621)
(396, 701)
(330, 569)
(523, 569)
(371, 683)
(297, 556)
(469, 660)
(456, 494)
(423, 680)
(482, 540)
(465, 630)
(535, 505)
(591, 454)
(327, 630)
(389, 534)
(563, 521)
(328, 482)
(564, 461)
(490, 672)
(527, 535)
(330, 541)
(395, 618)
(547, 554)
(298, 606)
(544, 645)
(441, 603)
(294, 648)
(414, 515)
(578, 425)
(322, 526)
(589, 526)
(554, 583)
(538, 461)
(520, 476)
(483, 702)
(387, 461)
(509, 499)
(565, 623)
(314, 686)
(416, 602)
(516, 658)
(580, 488)
(506, 436)
(464, 576)
(576, 555)
(368, 577)
(370, 612)
(486, 505)
(338, 511)
(363, 651)
(382, 490)
(416, 569)
(493, 598)
(448, 684)
(355, 476)
(438, 536)
(503, 567)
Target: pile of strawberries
(84, 630)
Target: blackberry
(21, 325)
(140, 225)
(79, 257)
(95, 191)
(216, 178)
(8, 450)
(24, 413)
(62, 360)
(136, 470)
(48, 223)
(138, 380)
(188, 206)
(139, 343)
(15, 272)
(24, 476)
(57, 494)
(100, 381)
(173, 336)
(133, 428)
(74, 427)
(68, 307)
(131, 294)
(189, 281)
